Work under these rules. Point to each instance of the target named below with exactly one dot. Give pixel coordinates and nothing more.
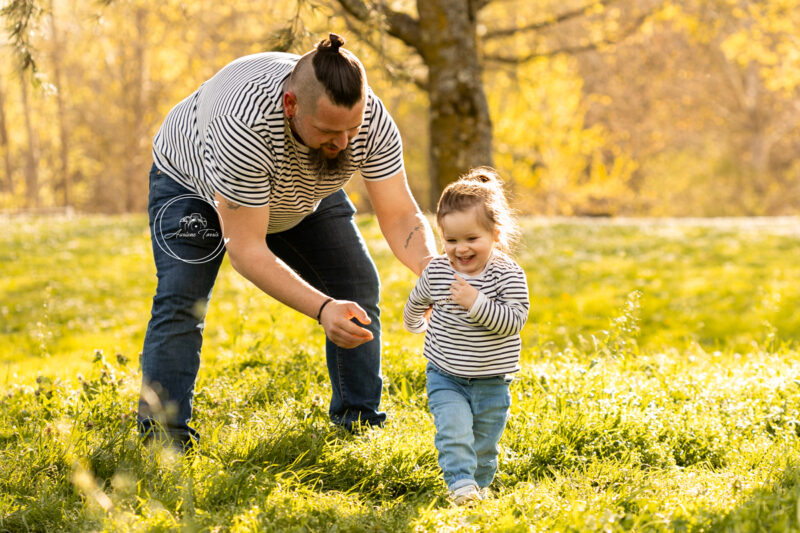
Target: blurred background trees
(617, 107)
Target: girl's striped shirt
(482, 341)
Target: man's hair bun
(337, 70)
(331, 44)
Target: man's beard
(331, 168)
(324, 167)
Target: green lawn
(660, 391)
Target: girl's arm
(418, 302)
(508, 313)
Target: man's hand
(340, 329)
(463, 293)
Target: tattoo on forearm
(231, 205)
(413, 231)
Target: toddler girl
(479, 297)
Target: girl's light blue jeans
(470, 415)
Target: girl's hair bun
(486, 175)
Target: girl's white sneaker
(466, 495)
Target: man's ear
(290, 103)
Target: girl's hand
(463, 293)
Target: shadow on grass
(313, 477)
(293, 509)
(321, 455)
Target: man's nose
(340, 140)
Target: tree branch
(404, 27)
(515, 60)
(400, 25)
(563, 17)
(356, 8)
(395, 70)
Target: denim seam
(340, 380)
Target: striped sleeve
(384, 155)
(237, 162)
(418, 302)
(507, 313)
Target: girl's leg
(491, 401)
(452, 415)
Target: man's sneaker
(466, 495)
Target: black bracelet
(321, 307)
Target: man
(258, 156)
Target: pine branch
(20, 17)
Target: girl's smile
(467, 242)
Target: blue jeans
(326, 249)
(470, 415)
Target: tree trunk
(31, 154)
(62, 182)
(134, 153)
(5, 148)
(460, 127)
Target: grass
(660, 391)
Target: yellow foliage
(555, 161)
(563, 145)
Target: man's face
(329, 127)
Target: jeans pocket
(163, 188)
(159, 181)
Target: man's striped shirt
(482, 341)
(231, 136)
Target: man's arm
(245, 232)
(402, 223)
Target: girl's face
(467, 243)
